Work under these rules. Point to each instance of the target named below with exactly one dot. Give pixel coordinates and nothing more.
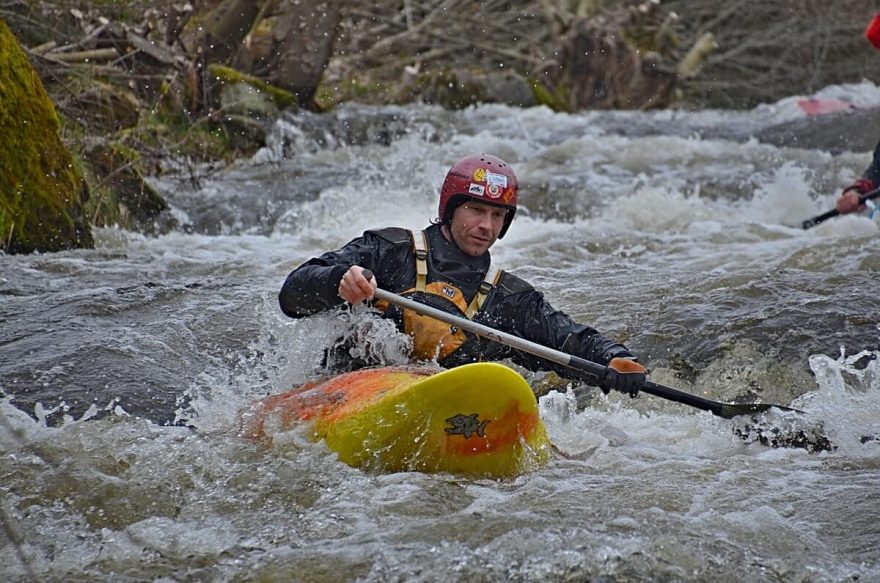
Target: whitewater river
(125, 368)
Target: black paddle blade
(731, 410)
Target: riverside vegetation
(95, 96)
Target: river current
(124, 369)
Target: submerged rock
(851, 130)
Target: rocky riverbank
(143, 88)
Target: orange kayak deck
(476, 419)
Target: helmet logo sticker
(496, 179)
(496, 183)
(448, 291)
(477, 189)
(480, 175)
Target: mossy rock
(42, 191)
(557, 99)
(221, 75)
(373, 92)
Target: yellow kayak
(476, 419)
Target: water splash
(784, 199)
(848, 400)
(840, 416)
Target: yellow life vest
(433, 339)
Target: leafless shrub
(770, 50)
(766, 50)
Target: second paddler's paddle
(834, 212)
(593, 370)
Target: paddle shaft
(595, 372)
(834, 212)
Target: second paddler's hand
(354, 288)
(624, 375)
(850, 202)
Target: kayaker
(849, 200)
(448, 266)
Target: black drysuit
(871, 177)
(872, 172)
(512, 306)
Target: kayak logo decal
(466, 425)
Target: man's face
(475, 226)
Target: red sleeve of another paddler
(862, 185)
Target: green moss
(556, 99)
(225, 74)
(328, 96)
(41, 189)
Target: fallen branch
(84, 56)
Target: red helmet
(872, 33)
(483, 178)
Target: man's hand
(624, 375)
(849, 202)
(354, 287)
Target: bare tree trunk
(225, 28)
(303, 41)
(598, 69)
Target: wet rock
(854, 130)
(509, 89)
